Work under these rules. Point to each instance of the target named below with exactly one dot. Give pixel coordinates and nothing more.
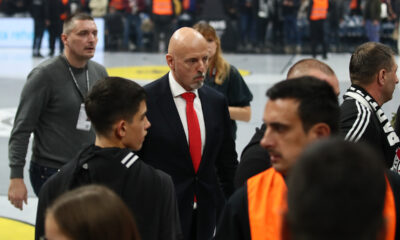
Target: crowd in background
(251, 26)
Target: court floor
(261, 71)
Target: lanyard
(74, 79)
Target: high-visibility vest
(319, 10)
(266, 194)
(267, 204)
(64, 15)
(353, 4)
(389, 213)
(120, 5)
(162, 7)
(186, 4)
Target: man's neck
(375, 93)
(105, 142)
(76, 63)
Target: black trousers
(55, 30)
(39, 27)
(317, 36)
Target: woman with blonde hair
(225, 78)
(91, 212)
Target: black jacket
(360, 124)
(166, 148)
(149, 193)
(254, 158)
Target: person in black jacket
(254, 158)
(56, 11)
(373, 78)
(37, 12)
(117, 110)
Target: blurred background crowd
(247, 26)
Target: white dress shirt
(180, 103)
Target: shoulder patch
(129, 159)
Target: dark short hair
(317, 100)
(93, 212)
(112, 99)
(336, 190)
(70, 21)
(367, 60)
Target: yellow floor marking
(146, 72)
(15, 230)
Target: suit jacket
(166, 148)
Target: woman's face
(212, 47)
(52, 229)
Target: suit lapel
(208, 118)
(170, 114)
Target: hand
(17, 192)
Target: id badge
(83, 122)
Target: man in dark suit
(202, 185)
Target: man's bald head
(315, 68)
(187, 58)
(184, 39)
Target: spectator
(90, 212)
(134, 22)
(56, 11)
(247, 16)
(38, 15)
(114, 29)
(98, 8)
(373, 78)
(263, 10)
(318, 15)
(290, 10)
(372, 18)
(163, 16)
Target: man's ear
(170, 61)
(382, 77)
(320, 130)
(64, 38)
(120, 129)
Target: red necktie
(193, 129)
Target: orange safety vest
(266, 194)
(319, 10)
(186, 4)
(120, 5)
(267, 204)
(64, 15)
(162, 7)
(389, 212)
(353, 4)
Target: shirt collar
(176, 88)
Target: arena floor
(261, 71)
